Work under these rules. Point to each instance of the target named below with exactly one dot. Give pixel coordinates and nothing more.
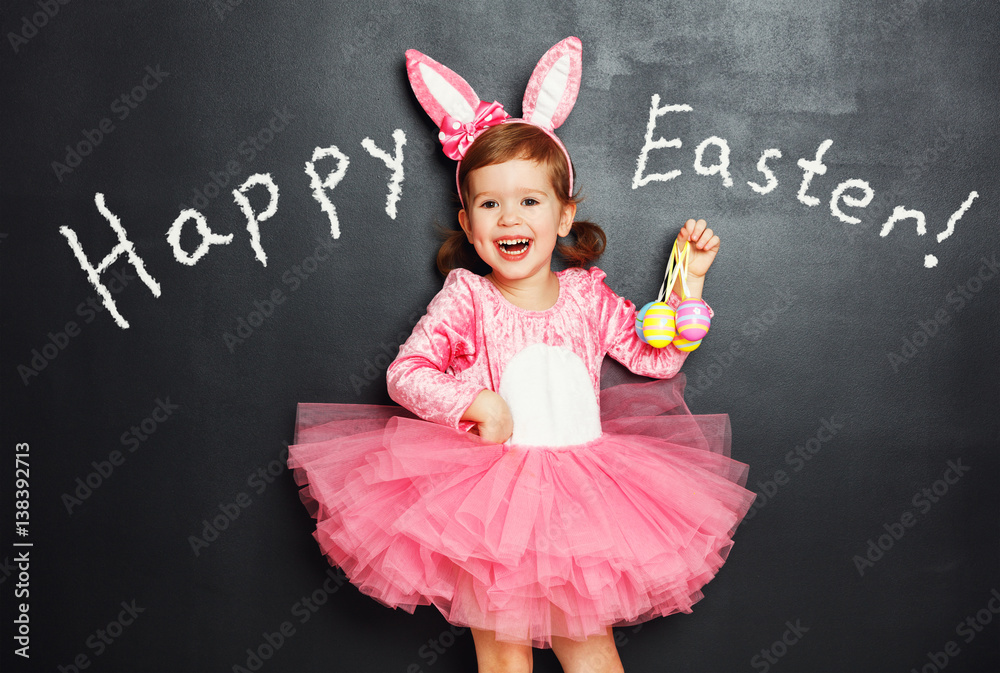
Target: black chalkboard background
(879, 552)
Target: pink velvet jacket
(470, 331)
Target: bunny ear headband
(462, 116)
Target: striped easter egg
(658, 325)
(683, 344)
(693, 320)
(640, 314)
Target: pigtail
(453, 251)
(590, 241)
(457, 253)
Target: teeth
(507, 244)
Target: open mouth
(514, 247)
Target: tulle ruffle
(529, 542)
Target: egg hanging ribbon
(658, 324)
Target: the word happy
(319, 186)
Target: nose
(509, 216)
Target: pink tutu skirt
(530, 542)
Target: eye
(489, 203)
(529, 201)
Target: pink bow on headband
(456, 136)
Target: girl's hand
(704, 246)
(492, 417)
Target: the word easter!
(852, 193)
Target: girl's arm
(627, 347)
(419, 378)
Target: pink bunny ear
(554, 84)
(440, 91)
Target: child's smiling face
(514, 218)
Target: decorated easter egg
(640, 314)
(683, 344)
(692, 320)
(658, 325)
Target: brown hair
(505, 142)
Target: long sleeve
(422, 378)
(625, 346)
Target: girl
(519, 498)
